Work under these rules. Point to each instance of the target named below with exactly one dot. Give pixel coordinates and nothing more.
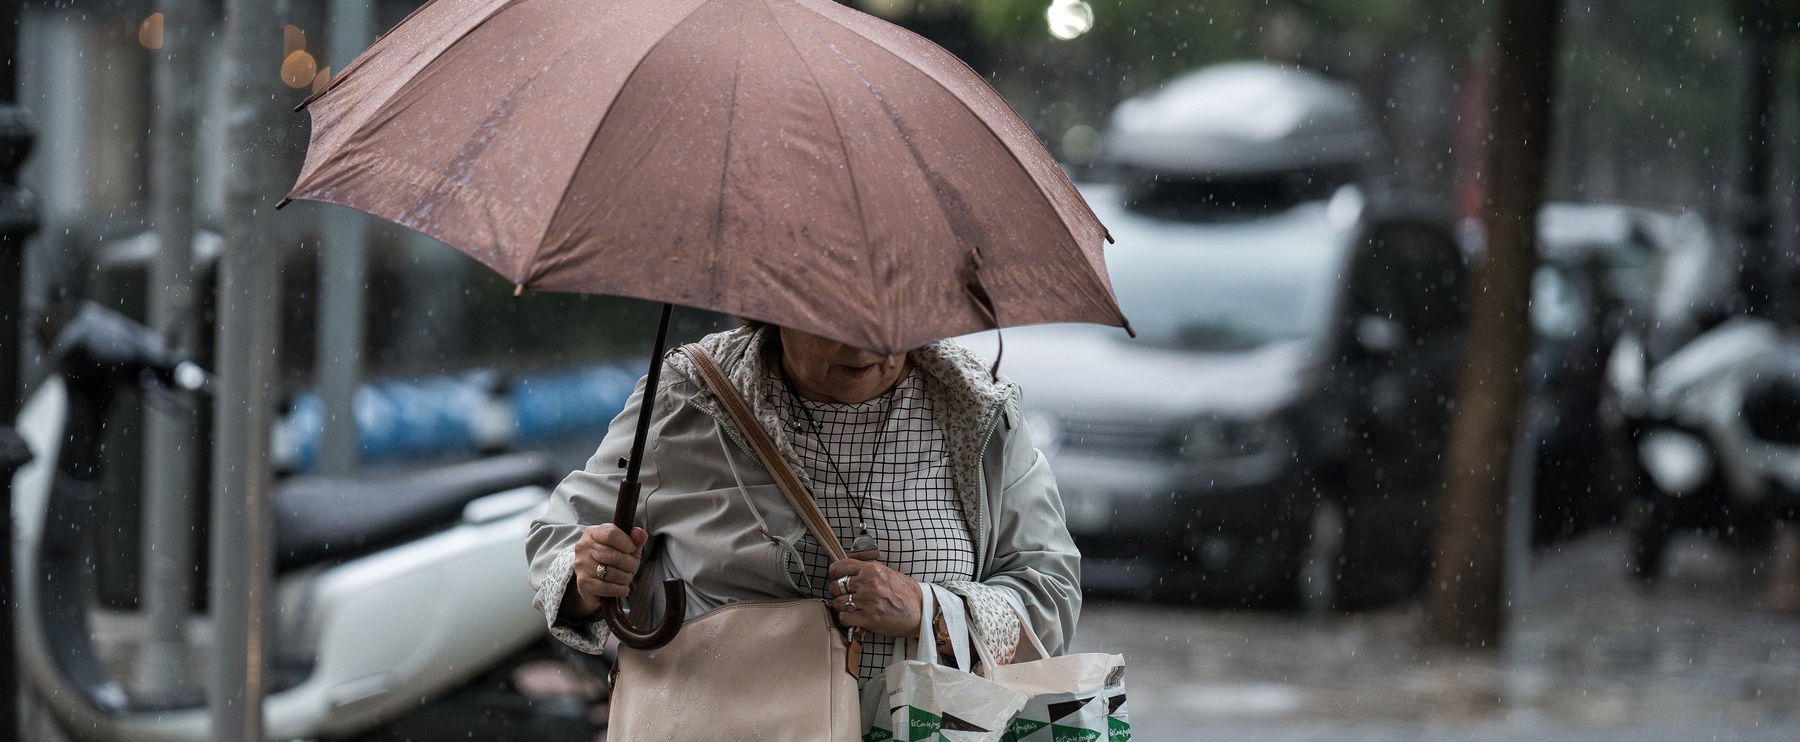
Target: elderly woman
(920, 462)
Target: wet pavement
(1590, 656)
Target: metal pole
(1519, 517)
(247, 347)
(169, 462)
(1757, 278)
(18, 219)
(342, 273)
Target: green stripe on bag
(1022, 728)
(1059, 733)
(1117, 729)
(878, 735)
(921, 724)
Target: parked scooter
(1714, 440)
(391, 591)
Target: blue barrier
(463, 413)
(585, 400)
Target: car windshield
(1221, 286)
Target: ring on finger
(850, 606)
(843, 584)
(601, 571)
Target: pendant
(864, 542)
(853, 653)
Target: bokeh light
(292, 40)
(1081, 143)
(1069, 19)
(298, 70)
(150, 32)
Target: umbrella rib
(356, 64)
(862, 220)
(943, 194)
(984, 124)
(588, 148)
(718, 230)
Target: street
(333, 336)
(1591, 657)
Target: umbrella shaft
(674, 594)
(626, 511)
(628, 490)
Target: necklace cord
(857, 501)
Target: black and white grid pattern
(891, 454)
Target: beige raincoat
(710, 504)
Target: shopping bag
(928, 701)
(1074, 698)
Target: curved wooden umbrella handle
(674, 595)
(674, 601)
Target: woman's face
(829, 371)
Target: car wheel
(1386, 551)
(1268, 569)
(1257, 570)
(1277, 584)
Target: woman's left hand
(879, 599)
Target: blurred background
(1297, 190)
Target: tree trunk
(1465, 595)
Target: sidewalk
(1590, 656)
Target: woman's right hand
(601, 545)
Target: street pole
(249, 293)
(167, 556)
(18, 219)
(342, 274)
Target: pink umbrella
(792, 161)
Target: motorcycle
(1713, 437)
(393, 591)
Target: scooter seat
(325, 518)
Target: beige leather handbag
(762, 670)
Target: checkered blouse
(892, 473)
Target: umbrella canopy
(792, 161)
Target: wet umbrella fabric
(793, 161)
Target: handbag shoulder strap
(765, 449)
